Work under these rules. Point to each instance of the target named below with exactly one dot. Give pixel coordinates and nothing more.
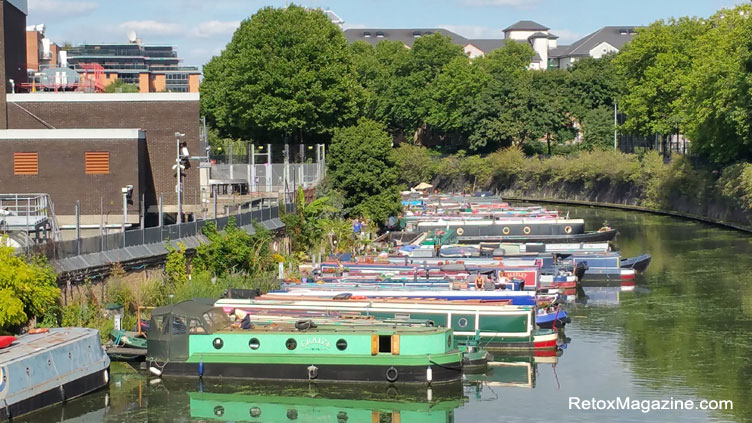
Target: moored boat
(50, 367)
(499, 327)
(198, 340)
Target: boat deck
(27, 345)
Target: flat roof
(60, 97)
(72, 134)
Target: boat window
(159, 323)
(178, 325)
(385, 344)
(216, 319)
(194, 326)
(291, 344)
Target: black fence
(159, 234)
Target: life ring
(38, 330)
(460, 231)
(392, 374)
(526, 230)
(506, 230)
(568, 229)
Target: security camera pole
(179, 172)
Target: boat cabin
(170, 327)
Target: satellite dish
(132, 36)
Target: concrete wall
(159, 114)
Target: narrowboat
(196, 339)
(49, 367)
(500, 327)
(522, 228)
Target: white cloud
(566, 36)
(473, 32)
(212, 28)
(64, 8)
(152, 28)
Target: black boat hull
(325, 373)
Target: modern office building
(153, 68)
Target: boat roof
(189, 308)
(27, 345)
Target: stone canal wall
(629, 197)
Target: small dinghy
(5, 341)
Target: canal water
(685, 333)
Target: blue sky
(201, 28)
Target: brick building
(129, 139)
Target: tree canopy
(286, 73)
(360, 166)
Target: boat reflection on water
(512, 371)
(313, 403)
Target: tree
(453, 95)
(120, 86)
(415, 164)
(598, 129)
(654, 67)
(499, 109)
(286, 72)
(718, 95)
(592, 83)
(306, 226)
(360, 165)
(27, 288)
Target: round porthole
(568, 229)
(341, 345)
(506, 230)
(291, 344)
(219, 411)
(342, 417)
(255, 412)
(218, 343)
(462, 323)
(254, 343)
(526, 230)
(292, 414)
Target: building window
(25, 163)
(97, 162)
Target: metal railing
(254, 212)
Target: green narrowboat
(196, 339)
(500, 327)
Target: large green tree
(286, 72)
(359, 165)
(655, 68)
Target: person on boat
(479, 282)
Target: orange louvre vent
(25, 163)
(97, 162)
